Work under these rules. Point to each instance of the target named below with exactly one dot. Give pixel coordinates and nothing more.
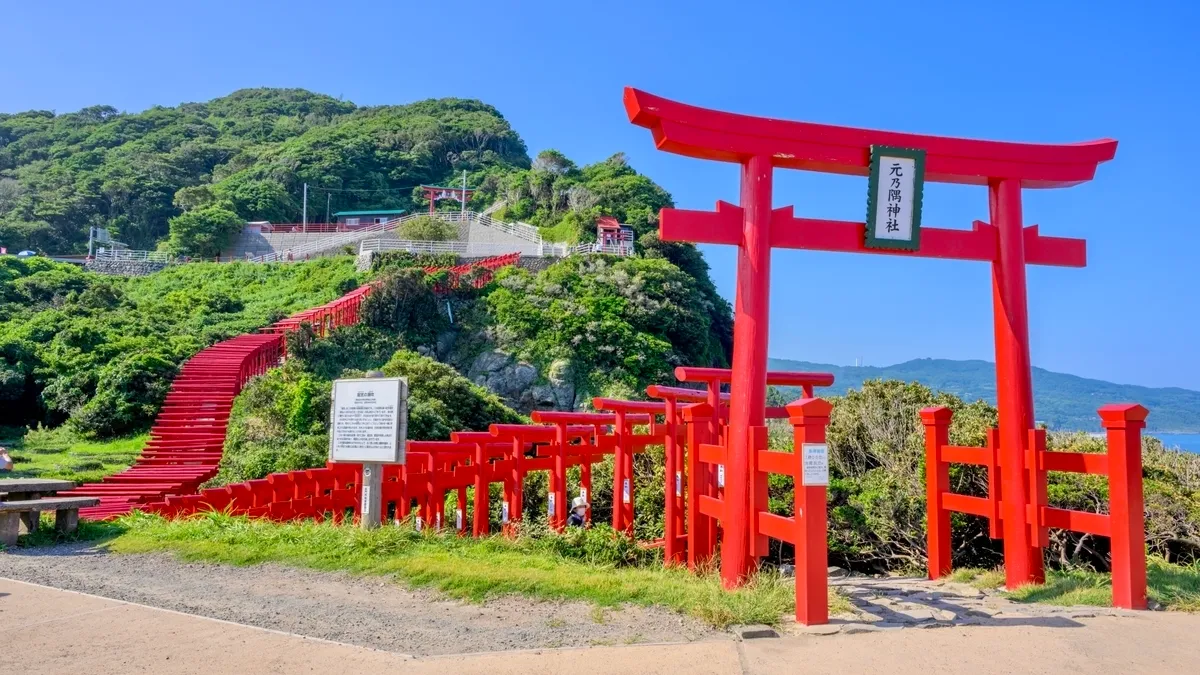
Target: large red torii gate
(760, 145)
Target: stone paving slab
(890, 603)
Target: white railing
(521, 231)
(594, 247)
(335, 241)
(137, 256)
(456, 247)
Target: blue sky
(1034, 71)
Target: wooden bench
(22, 501)
(29, 512)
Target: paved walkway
(47, 630)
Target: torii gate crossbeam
(760, 145)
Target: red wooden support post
(1124, 424)
(1014, 386)
(619, 476)
(481, 526)
(748, 387)
(672, 553)
(701, 543)
(809, 417)
(558, 479)
(1039, 534)
(624, 499)
(516, 502)
(937, 484)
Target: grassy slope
(576, 566)
(1174, 587)
(1063, 401)
(58, 454)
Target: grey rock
(820, 629)
(854, 628)
(914, 615)
(517, 382)
(753, 632)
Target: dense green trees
(604, 322)
(564, 200)
(101, 351)
(251, 150)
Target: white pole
(304, 216)
(464, 197)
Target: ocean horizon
(1189, 442)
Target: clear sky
(1036, 71)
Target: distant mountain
(1061, 401)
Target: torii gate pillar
(1014, 386)
(748, 389)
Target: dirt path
(367, 611)
(62, 631)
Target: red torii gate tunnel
(759, 146)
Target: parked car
(26, 254)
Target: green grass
(1175, 587)
(57, 453)
(591, 566)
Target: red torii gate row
(507, 453)
(759, 146)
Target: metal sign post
(369, 424)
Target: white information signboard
(816, 463)
(369, 420)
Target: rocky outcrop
(520, 384)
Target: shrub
(203, 232)
(428, 228)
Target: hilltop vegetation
(247, 153)
(186, 177)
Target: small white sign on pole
(625, 491)
(550, 505)
(504, 513)
(720, 475)
(815, 458)
(678, 483)
(369, 420)
(458, 519)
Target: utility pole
(328, 199)
(463, 211)
(304, 211)
(91, 236)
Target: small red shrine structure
(759, 146)
(611, 235)
(435, 192)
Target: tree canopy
(250, 151)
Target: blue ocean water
(1189, 442)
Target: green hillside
(99, 352)
(1062, 401)
(249, 152)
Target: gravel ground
(369, 611)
